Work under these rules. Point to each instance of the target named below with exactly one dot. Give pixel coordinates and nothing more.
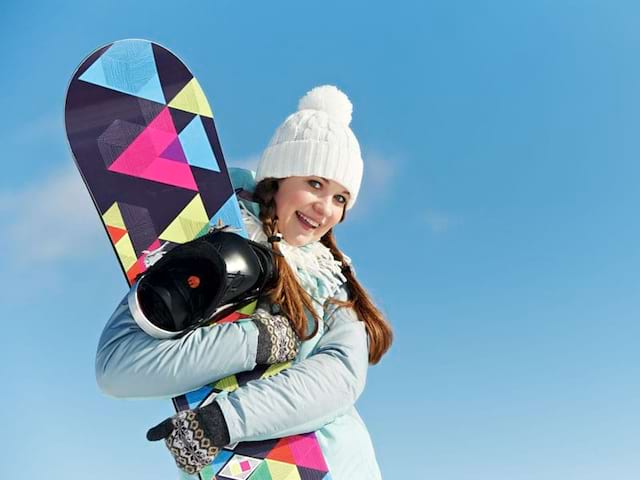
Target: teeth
(309, 221)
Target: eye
(340, 199)
(315, 184)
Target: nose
(323, 206)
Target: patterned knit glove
(193, 437)
(277, 342)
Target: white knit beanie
(316, 140)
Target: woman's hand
(193, 437)
(277, 341)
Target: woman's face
(308, 207)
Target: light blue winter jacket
(317, 393)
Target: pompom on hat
(316, 140)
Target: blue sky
(497, 226)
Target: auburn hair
(295, 302)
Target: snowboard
(143, 137)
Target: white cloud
(440, 222)
(50, 220)
(379, 173)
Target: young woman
(307, 178)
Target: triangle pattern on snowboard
(174, 152)
(125, 251)
(282, 470)
(115, 233)
(282, 452)
(306, 452)
(192, 99)
(143, 159)
(196, 146)
(113, 218)
(262, 472)
(188, 224)
(127, 67)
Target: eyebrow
(328, 181)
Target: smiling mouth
(306, 221)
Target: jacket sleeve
(308, 395)
(132, 364)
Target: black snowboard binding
(199, 282)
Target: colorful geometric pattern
(190, 223)
(143, 157)
(192, 99)
(298, 457)
(239, 467)
(142, 135)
